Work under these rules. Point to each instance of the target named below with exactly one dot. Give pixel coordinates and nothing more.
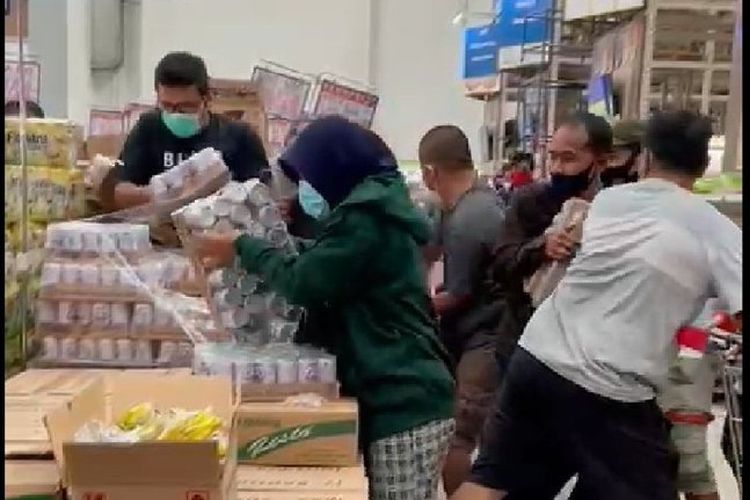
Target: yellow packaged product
(49, 142)
(53, 193)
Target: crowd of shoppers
(550, 389)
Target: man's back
(652, 253)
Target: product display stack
(108, 298)
(263, 361)
(54, 192)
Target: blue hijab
(334, 155)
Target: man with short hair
(182, 125)
(579, 150)
(579, 395)
(470, 215)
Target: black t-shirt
(151, 148)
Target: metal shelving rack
(557, 66)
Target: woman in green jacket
(363, 286)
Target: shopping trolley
(722, 336)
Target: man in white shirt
(579, 395)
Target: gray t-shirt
(467, 235)
(652, 255)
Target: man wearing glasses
(180, 126)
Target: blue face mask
(311, 201)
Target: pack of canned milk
(105, 351)
(81, 238)
(242, 304)
(269, 364)
(247, 207)
(203, 164)
(249, 310)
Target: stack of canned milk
(242, 303)
(270, 364)
(202, 164)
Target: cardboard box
(105, 145)
(283, 434)
(147, 471)
(27, 479)
(28, 397)
(239, 100)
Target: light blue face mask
(312, 203)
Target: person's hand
(559, 245)
(286, 207)
(215, 249)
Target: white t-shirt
(652, 255)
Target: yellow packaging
(53, 193)
(276, 433)
(49, 143)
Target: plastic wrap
(108, 298)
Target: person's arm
(251, 155)
(515, 253)
(128, 185)
(724, 245)
(324, 272)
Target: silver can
(90, 274)
(260, 371)
(278, 236)
(240, 214)
(109, 275)
(167, 351)
(143, 316)
(91, 242)
(126, 241)
(119, 316)
(68, 348)
(87, 349)
(124, 348)
(71, 273)
(66, 314)
(50, 348)
(222, 207)
(257, 193)
(51, 274)
(327, 369)
(269, 216)
(101, 315)
(308, 370)
(143, 351)
(83, 313)
(46, 312)
(73, 241)
(286, 371)
(249, 284)
(234, 318)
(106, 349)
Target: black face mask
(565, 187)
(618, 175)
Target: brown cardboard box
(38, 479)
(11, 20)
(283, 434)
(105, 145)
(239, 100)
(147, 471)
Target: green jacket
(364, 288)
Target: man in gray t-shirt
(465, 232)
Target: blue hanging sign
(522, 23)
(480, 52)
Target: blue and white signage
(522, 23)
(480, 52)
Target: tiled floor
(727, 484)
